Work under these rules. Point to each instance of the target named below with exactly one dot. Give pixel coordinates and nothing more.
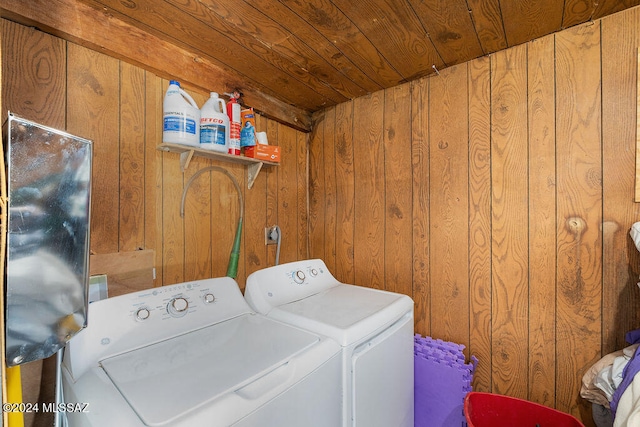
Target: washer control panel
(285, 283)
(131, 321)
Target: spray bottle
(181, 117)
(235, 124)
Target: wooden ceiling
(291, 58)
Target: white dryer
(194, 354)
(374, 328)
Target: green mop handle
(232, 268)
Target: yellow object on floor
(14, 395)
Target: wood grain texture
(579, 215)
(302, 194)
(398, 199)
(345, 192)
(92, 113)
(450, 29)
(397, 34)
(336, 27)
(317, 184)
(488, 24)
(449, 201)
(132, 160)
(421, 291)
(621, 259)
(330, 191)
(542, 221)
(100, 30)
(153, 171)
(33, 75)
(480, 331)
(369, 213)
(527, 20)
(510, 311)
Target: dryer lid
(345, 313)
(166, 380)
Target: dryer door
(382, 388)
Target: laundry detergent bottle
(181, 117)
(214, 125)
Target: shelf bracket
(185, 159)
(252, 173)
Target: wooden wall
(499, 195)
(137, 189)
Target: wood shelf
(187, 153)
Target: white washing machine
(374, 328)
(194, 354)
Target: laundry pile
(613, 387)
(612, 384)
(442, 380)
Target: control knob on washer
(177, 307)
(209, 298)
(299, 277)
(143, 313)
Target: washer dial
(178, 306)
(299, 277)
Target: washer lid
(345, 313)
(164, 381)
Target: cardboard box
(268, 153)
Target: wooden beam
(79, 23)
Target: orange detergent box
(268, 153)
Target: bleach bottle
(181, 117)
(214, 125)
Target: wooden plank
(542, 221)
(335, 26)
(526, 20)
(510, 311)
(579, 150)
(369, 213)
(79, 23)
(450, 29)
(92, 113)
(317, 184)
(33, 92)
(255, 210)
(206, 34)
(199, 248)
(305, 34)
(577, 12)
(287, 217)
(272, 190)
(246, 21)
(621, 305)
(448, 205)
(420, 215)
(397, 181)
(131, 150)
(345, 192)
(126, 271)
(302, 194)
(330, 191)
(479, 72)
(488, 24)
(153, 170)
(173, 248)
(609, 7)
(396, 32)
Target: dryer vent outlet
(271, 235)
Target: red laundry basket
(495, 410)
